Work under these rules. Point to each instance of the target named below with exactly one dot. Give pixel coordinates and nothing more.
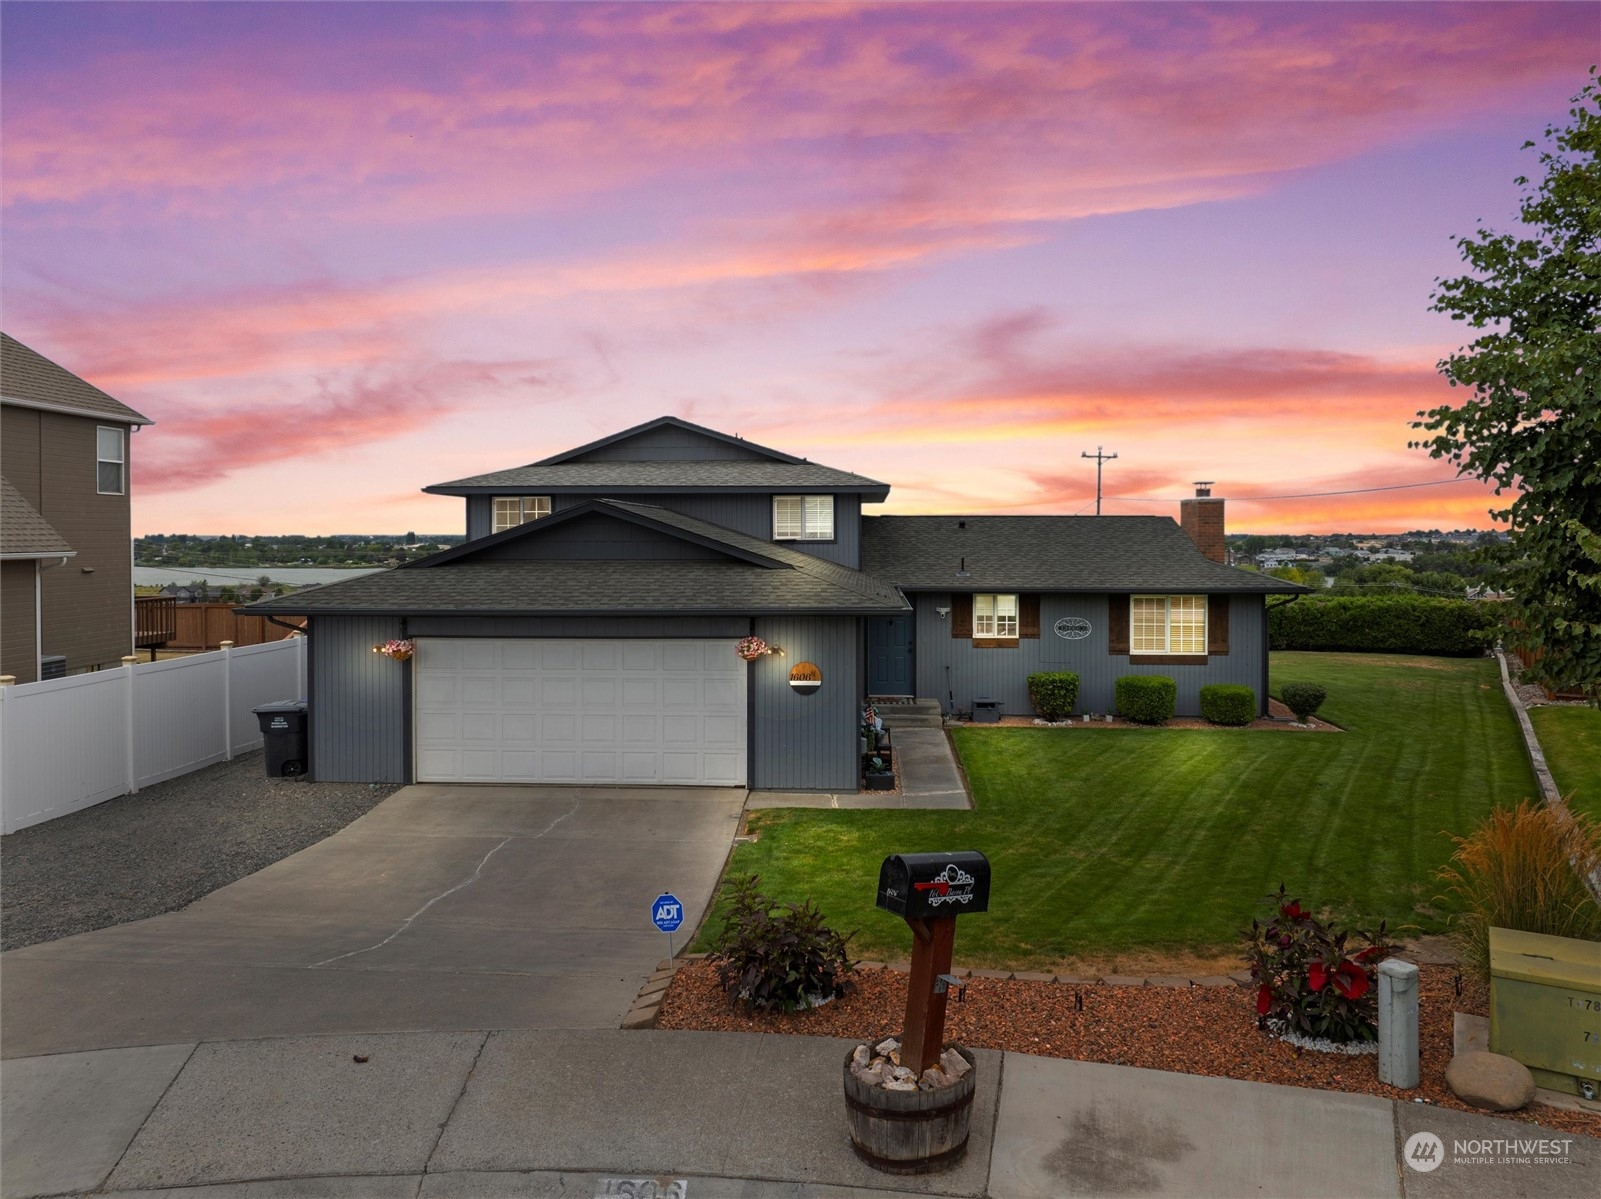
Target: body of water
(295, 576)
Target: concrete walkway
(929, 779)
(443, 908)
(570, 1112)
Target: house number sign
(1074, 628)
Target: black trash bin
(283, 728)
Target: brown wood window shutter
(1217, 624)
(1117, 624)
(1028, 616)
(962, 615)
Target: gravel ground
(162, 849)
(1193, 1030)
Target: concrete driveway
(444, 908)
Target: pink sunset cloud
(930, 242)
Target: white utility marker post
(1398, 1023)
(130, 663)
(227, 699)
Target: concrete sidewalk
(569, 1112)
(929, 780)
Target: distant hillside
(287, 549)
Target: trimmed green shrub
(1228, 703)
(1303, 699)
(1146, 698)
(1396, 624)
(1053, 693)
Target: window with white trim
(111, 476)
(803, 518)
(514, 510)
(994, 615)
(1167, 624)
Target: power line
(1303, 495)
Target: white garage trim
(657, 712)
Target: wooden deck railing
(155, 621)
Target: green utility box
(1545, 1007)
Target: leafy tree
(1533, 423)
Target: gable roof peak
(666, 422)
(30, 380)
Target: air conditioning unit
(53, 666)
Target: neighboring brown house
(66, 557)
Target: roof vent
(961, 571)
(961, 524)
(1203, 488)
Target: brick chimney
(1202, 519)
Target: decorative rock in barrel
(910, 1132)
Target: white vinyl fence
(67, 744)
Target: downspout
(38, 612)
(1268, 640)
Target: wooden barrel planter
(910, 1132)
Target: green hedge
(1228, 703)
(1146, 698)
(1397, 624)
(1053, 693)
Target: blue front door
(889, 655)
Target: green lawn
(1163, 841)
(1571, 738)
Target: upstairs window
(994, 615)
(514, 510)
(1168, 624)
(111, 476)
(803, 518)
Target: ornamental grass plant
(1522, 868)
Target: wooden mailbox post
(928, 891)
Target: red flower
(1293, 910)
(1371, 952)
(1264, 1000)
(1318, 976)
(1350, 980)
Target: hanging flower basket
(751, 648)
(399, 650)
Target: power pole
(1099, 459)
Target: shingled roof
(30, 380)
(662, 477)
(758, 577)
(1048, 553)
(23, 532)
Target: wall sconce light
(943, 612)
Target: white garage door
(523, 710)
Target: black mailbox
(923, 885)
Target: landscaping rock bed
(162, 849)
(1190, 1030)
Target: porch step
(911, 714)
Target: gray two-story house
(586, 631)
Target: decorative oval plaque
(805, 678)
(1074, 628)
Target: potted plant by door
(877, 776)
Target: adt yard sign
(666, 912)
